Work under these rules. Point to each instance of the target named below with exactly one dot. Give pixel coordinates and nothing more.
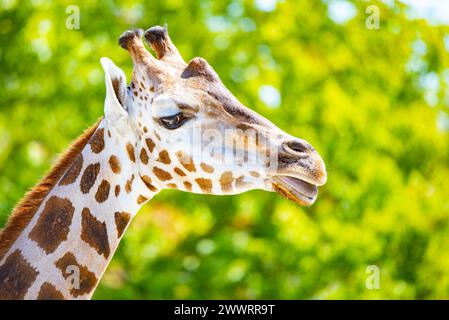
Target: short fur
(27, 207)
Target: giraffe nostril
(298, 146)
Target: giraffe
(62, 235)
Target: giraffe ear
(114, 106)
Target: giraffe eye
(173, 122)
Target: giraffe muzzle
(300, 171)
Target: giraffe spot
(87, 279)
(255, 174)
(145, 129)
(109, 134)
(179, 172)
(103, 191)
(97, 141)
(206, 168)
(162, 174)
(121, 221)
(188, 186)
(49, 292)
(164, 157)
(115, 164)
(141, 199)
(16, 277)
(172, 186)
(53, 225)
(129, 183)
(143, 156)
(186, 161)
(117, 190)
(74, 171)
(240, 183)
(150, 144)
(94, 233)
(226, 180)
(157, 135)
(147, 181)
(205, 184)
(130, 151)
(89, 176)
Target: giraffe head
(186, 131)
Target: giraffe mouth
(295, 189)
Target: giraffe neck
(65, 248)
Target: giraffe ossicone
(174, 126)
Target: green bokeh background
(374, 103)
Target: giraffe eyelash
(174, 122)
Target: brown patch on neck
(49, 292)
(205, 184)
(188, 186)
(148, 183)
(143, 156)
(53, 225)
(130, 151)
(102, 193)
(74, 171)
(150, 144)
(97, 141)
(179, 172)
(27, 207)
(254, 174)
(226, 180)
(206, 168)
(141, 199)
(16, 277)
(129, 184)
(117, 190)
(186, 161)
(164, 157)
(240, 182)
(87, 281)
(89, 177)
(94, 233)
(162, 174)
(121, 221)
(115, 164)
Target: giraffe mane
(24, 211)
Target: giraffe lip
(295, 189)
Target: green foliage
(361, 97)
